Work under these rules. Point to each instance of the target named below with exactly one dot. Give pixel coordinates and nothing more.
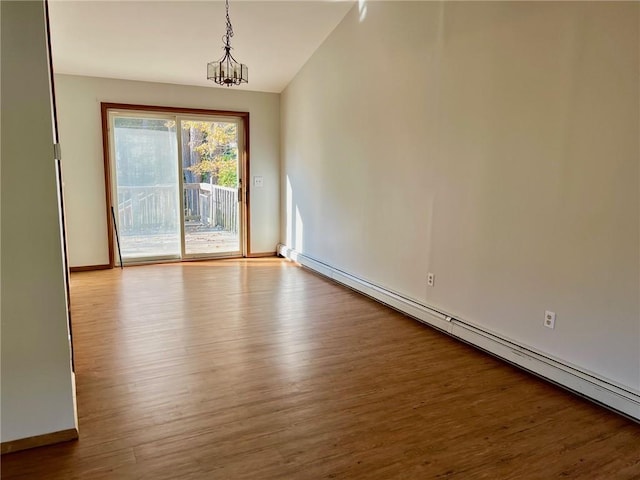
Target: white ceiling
(172, 41)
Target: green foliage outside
(215, 144)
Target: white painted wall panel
(37, 388)
(492, 143)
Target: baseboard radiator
(585, 384)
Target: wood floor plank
(258, 369)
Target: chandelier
(227, 71)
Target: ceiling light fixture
(227, 71)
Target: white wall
(493, 144)
(37, 390)
(78, 100)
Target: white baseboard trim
(591, 386)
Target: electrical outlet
(430, 279)
(549, 319)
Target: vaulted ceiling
(172, 41)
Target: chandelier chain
(227, 37)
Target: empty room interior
(320, 239)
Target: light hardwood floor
(257, 369)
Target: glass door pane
(210, 181)
(145, 159)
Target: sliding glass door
(176, 185)
(145, 194)
(211, 181)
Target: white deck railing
(155, 209)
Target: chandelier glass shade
(227, 71)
